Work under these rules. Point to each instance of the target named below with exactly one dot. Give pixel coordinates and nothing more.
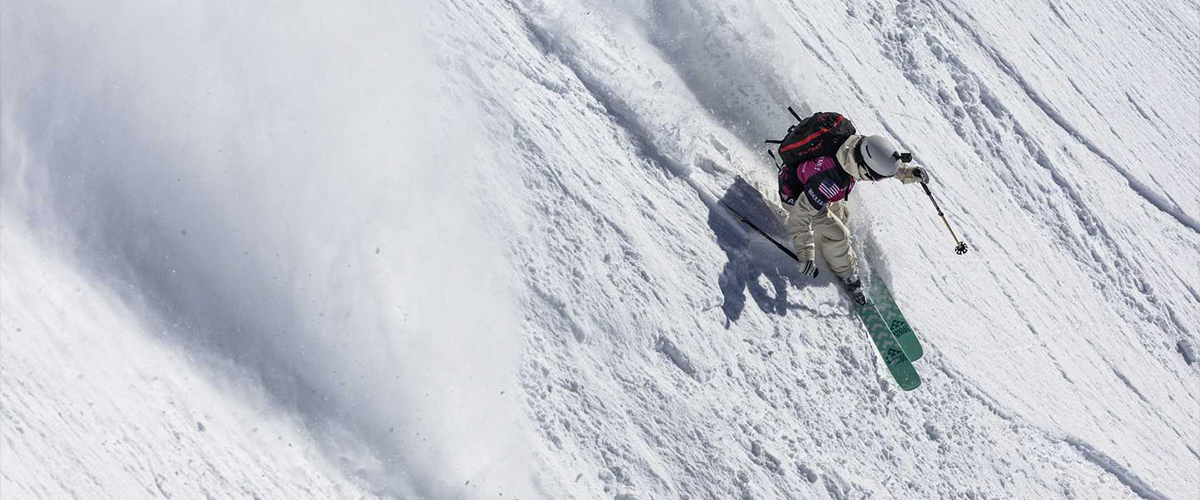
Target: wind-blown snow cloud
(272, 182)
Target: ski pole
(961, 247)
(760, 231)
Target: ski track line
(1135, 483)
(1141, 111)
(964, 76)
(1157, 200)
(1039, 154)
(1105, 462)
(1125, 380)
(1087, 451)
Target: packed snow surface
(473, 249)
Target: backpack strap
(814, 135)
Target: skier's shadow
(749, 254)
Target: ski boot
(853, 287)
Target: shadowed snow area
(467, 249)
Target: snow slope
(95, 408)
(464, 249)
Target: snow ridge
(1111, 466)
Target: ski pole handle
(935, 205)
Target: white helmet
(881, 158)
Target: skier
(819, 220)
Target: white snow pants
(826, 230)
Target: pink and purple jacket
(821, 180)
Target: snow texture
(471, 249)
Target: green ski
(893, 356)
(889, 348)
(882, 297)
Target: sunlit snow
(477, 249)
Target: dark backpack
(818, 135)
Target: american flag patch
(828, 188)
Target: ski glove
(921, 174)
(809, 268)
